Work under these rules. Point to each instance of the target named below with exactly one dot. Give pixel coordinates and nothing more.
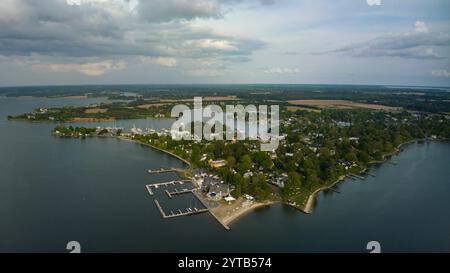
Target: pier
(149, 190)
(180, 192)
(189, 211)
(356, 176)
(162, 170)
(334, 190)
(175, 182)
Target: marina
(191, 210)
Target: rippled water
(93, 191)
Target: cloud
(114, 30)
(186, 10)
(168, 10)
(421, 27)
(163, 61)
(441, 73)
(415, 45)
(89, 69)
(282, 70)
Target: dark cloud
(169, 10)
(179, 10)
(115, 30)
(416, 45)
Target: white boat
(136, 131)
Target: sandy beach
(230, 213)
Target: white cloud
(163, 61)
(210, 44)
(421, 27)
(441, 73)
(89, 69)
(282, 70)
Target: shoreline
(237, 214)
(312, 197)
(308, 208)
(157, 148)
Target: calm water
(57, 190)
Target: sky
(385, 42)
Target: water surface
(56, 190)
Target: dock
(189, 211)
(149, 190)
(179, 192)
(356, 176)
(334, 190)
(175, 182)
(168, 194)
(162, 170)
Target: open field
(211, 98)
(296, 108)
(151, 105)
(79, 119)
(95, 111)
(343, 104)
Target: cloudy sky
(401, 42)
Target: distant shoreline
(308, 208)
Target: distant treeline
(427, 99)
